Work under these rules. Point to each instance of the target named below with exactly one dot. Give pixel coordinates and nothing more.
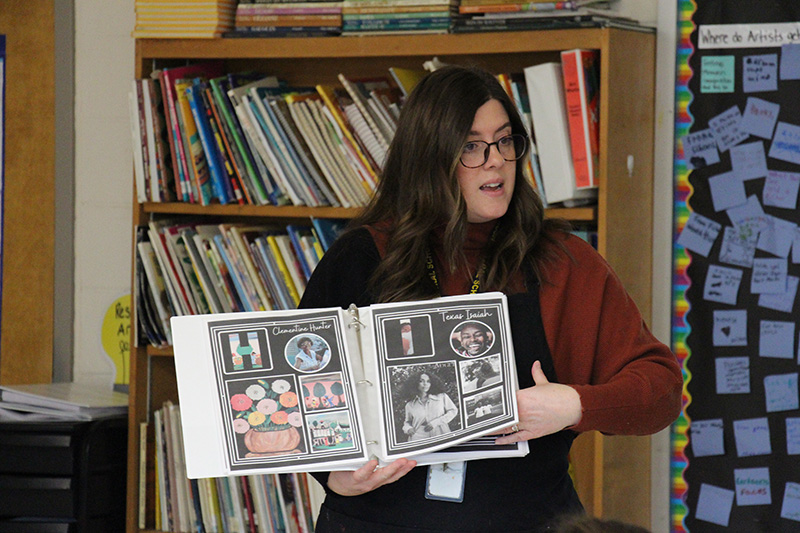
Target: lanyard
(476, 280)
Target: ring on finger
(515, 428)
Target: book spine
(175, 143)
(284, 269)
(193, 145)
(578, 117)
(136, 143)
(220, 190)
(234, 157)
(226, 160)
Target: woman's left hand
(544, 409)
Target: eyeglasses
(476, 153)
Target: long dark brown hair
(418, 191)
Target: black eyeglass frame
(497, 144)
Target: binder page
(269, 391)
(446, 374)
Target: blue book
(295, 233)
(235, 273)
(327, 230)
(218, 181)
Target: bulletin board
(736, 447)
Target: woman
(453, 190)
(429, 409)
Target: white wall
(104, 58)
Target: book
(326, 389)
(581, 85)
(70, 400)
(545, 86)
(407, 78)
(327, 230)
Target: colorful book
(220, 184)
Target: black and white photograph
(424, 401)
(484, 405)
(472, 338)
(480, 373)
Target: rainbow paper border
(681, 259)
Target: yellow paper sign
(116, 336)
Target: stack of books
(188, 269)
(183, 18)
(272, 18)
(524, 15)
(202, 136)
(368, 17)
(60, 401)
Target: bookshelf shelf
(609, 472)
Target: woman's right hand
(369, 477)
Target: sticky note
(780, 189)
(790, 61)
(786, 143)
(780, 391)
(750, 213)
(752, 486)
(760, 73)
(733, 375)
(725, 128)
(769, 275)
(752, 437)
(717, 74)
(730, 327)
(749, 161)
(714, 504)
(790, 508)
(792, 436)
(727, 191)
(776, 339)
(700, 149)
(759, 117)
(738, 245)
(722, 284)
(776, 236)
(706, 437)
(699, 234)
(781, 301)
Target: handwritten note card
(717, 74)
(759, 117)
(727, 190)
(760, 73)
(793, 436)
(769, 276)
(714, 504)
(786, 143)
(700, 149)
(733, 375)
(730, 327)
(725, 127)
(790, 61)
(781, 301)
(750, 213)
(796, 247)
(780, 189)
(790, 509)
(707, 437)
(699, 234)
(776, 339)
(776, 236)
(752, 437)
(722, 284)
(738, 245)
(781, 392)
(752, 486)
(749, 161)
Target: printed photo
(322, 392)
(484, 405)
(245, 350)
(265, 416)
(424, 400)
(480, 373)
(472, 338)
(408, 337)
(308, 352)
(330, 431)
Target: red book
(580, 70)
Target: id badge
(446, 481)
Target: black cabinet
(63, 476)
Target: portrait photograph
(480, 373)
(472, 338)
(308, 352)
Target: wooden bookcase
(612, 473)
